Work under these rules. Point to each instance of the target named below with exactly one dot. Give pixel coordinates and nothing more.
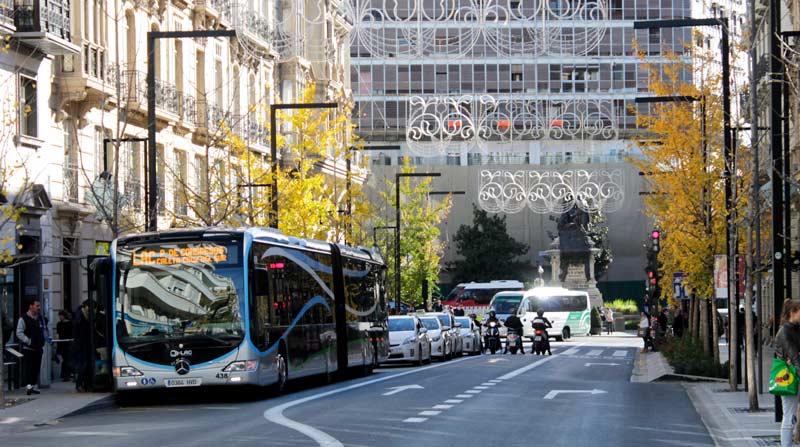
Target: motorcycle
(540, 342)
(513, 341)
(493, 337)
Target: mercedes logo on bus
(182, 367)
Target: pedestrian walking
(609, 317)
(64, 332)
(655, 332)
(787, 348)
(644, 330)
(31, 335)
(81, 354)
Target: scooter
(493, 337)
(513, 341)
(540, 342)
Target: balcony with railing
(87, 73)
(6, 17)
(250, 24)
(45, 25)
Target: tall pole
(755, 199)
(397, 244)
(151, 214)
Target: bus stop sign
(678, 291)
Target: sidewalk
(55, 402)
(724, 413)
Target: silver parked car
(470, 335)
(408, 340)
(452, 329)
(441, 344)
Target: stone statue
(572, 241)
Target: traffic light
(655, 236)
(653, 278)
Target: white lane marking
(554, 393)
(495, 381)
(275, 414)
(595, 352)
(442, 407)
(489, 384)
(415, 420)
(481, 387)
(463, 396)
(525, 369)
(220, 408)
(399, 389)
(571, 351)
(453, 401)
(94, 433)
(429, 413)
(473, 391)
(11, 420)
(602, 364)
(620, 354)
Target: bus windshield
(506, 305)
(557, 303)
(180, 291)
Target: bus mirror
(261, 282)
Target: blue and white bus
(242, 307)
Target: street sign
(399, 389)
(678, 291)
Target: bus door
(100, 321)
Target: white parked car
(452, 329)
(470, 335)
(441, 345)
(408, 340)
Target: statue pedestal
(576, 273)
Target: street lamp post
(397, 177)
(151, 215)
(273, 143)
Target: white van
(504, 304)
(568, 310)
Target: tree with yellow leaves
(683, 161)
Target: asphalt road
(473, 401)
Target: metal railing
(51, 16)
(7, 11)
(133, 190)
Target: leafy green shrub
(631, 325)
(623, 306)
(686, 356)
(595, 321)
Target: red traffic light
(651, 275)
(655, 234)
(653, 281)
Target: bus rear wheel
(566, 334)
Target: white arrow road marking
(602, 364)
(400, 389)
(554, 393)
(498, 360)
(275, 414)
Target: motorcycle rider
(542, 323)
(513, 322)
(492, 319)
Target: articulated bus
(242, 307)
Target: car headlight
(241, 366)
(436, 338)
(409, 340)
(126, 371)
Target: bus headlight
(126, 371)
(241, 366)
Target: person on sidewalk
(644, 330)
(609, 317)
(81, 354)
(678, 324)
(31, 335)
(64, 332)
(787, 348)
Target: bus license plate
(174, 383)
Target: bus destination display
(207, 254)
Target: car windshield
(454, 294)
(401, 324)
(464, 322)
(432, 324)
(444, 319)
(555, 303)
(180, 291)
(506, 304)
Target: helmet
(539, 312)
(492, 313)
